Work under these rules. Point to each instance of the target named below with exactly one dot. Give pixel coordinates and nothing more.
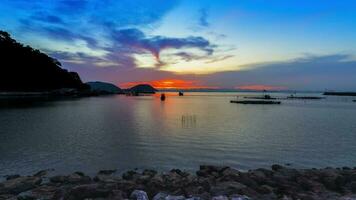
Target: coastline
(209, 182)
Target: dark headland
(209, 182)
(28, 72)
(24, 69)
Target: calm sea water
(124, 133)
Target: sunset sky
(241, 44)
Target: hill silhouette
(143, 88)
(24, 69)
(104, 88)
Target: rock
(41, 192)
(139, 195)
(90, 191)
(75, 178)
(13, 176)
(276, 167)
(8, 197)
(20, 184)
(149, 172)
(160, 196)
(172, 197)
(107, 172)
(353, 187)
(227, 188)
(220, 197)
(130, 175)
(239, 197)
(230, 174)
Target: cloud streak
(137, 40)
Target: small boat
(163, 97)
(354, 100)
(181, 94)
(255, 102)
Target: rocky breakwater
(209, 182)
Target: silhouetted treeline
(23, 68)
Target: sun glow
(170, 84)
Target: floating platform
(255, 102)
(340, 93)
(306, 98)
(266, 98)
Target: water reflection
(189, 121)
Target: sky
(216, 44)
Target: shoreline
(209, 182)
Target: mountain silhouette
(24, 69)
(143, 88)
(104, 88)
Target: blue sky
(298, 45)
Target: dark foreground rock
(209, 182)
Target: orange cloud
(169, 84)
(260, 87)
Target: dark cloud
(47, 18)
(57, 32)
(136, 39)
(307, 73)
(203, 19)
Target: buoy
(163, 97)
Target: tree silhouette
(23, 68)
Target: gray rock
(227, 188)
(90, 191)
(160, 196)
(139, 195)
(239, 197)
(20, 184)
(75, 178)
(41, 192)
(9, 177)
(172, 197)
(220, 197)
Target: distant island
(141, 89)
(104, 88)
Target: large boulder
(20, 184)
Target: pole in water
(163, 97)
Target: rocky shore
(209, 182)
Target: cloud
(203, 19)
(136, 39)
(47, 18)
(56, 32)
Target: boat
(181, 94)
(163, 97)
(255, 102)
(354, 100)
